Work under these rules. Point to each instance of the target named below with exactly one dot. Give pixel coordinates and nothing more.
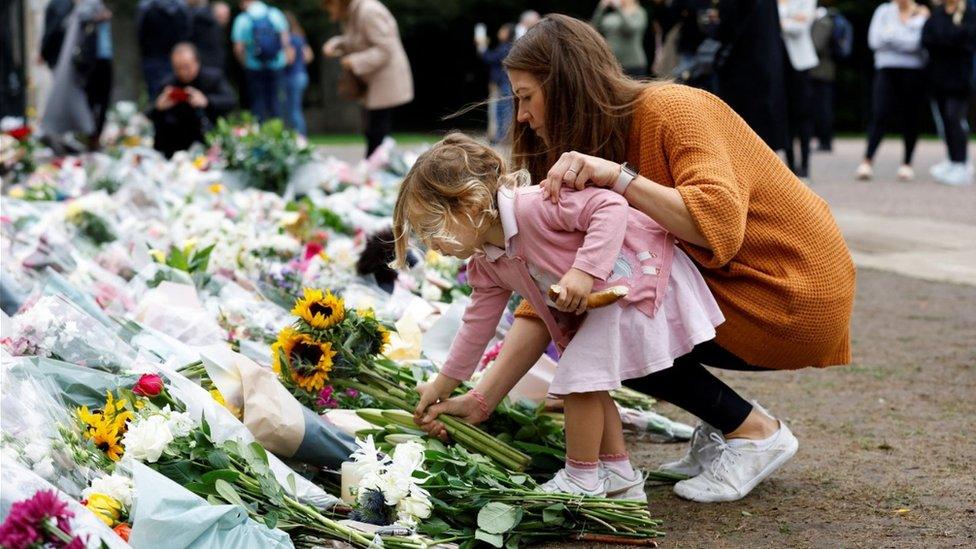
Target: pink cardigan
(593, 230)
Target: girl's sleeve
(602, 215)
(488, 302)
(701, 165)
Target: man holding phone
(191, 101)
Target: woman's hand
(465, 407)
(574, 289)
(576, 170)
(331, 46)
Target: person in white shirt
(895, 35)
(796, 19)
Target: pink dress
(615, 343)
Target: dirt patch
(886, 445)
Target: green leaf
(180, 471)
(228, 475)
(271, 519)
(218, 458)
(495, 540)
(434, 527)
(229, 493)
(498, 518)
(554, 514)
(292, 487)
(513, 542)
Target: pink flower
(326, 399)
(312, 249)
(20, 134)
(352, 393)
(30, 521)
(491, 354)
(149, 385)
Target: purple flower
(352, 393)
(29, 522)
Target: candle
(351, 475)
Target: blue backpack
(266, 40)
(842, 40)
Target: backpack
(842, 39)
(266, 39)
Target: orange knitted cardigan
(778, 265)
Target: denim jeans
(155, 71)
(503, 113)
(265, 87)
(295, 85)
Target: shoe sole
(768, 470)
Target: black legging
(689, 386)
(952, 110)
(899, 91)
(379, 124)
(98, 90)
(799, 117)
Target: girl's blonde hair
(454, 182)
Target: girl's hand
(431, 393)
(576, 170)
(574, 289)
(465, 407)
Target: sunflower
(384, 338)
(105, 428)
(320, 309)
(308, 361)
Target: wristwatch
(627, 175)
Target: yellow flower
(433, 257)
(132, 141)
(325, 257)
(384, 338)
(220, 400)
(318, 309)
(158, 256)
(200, 162)
(30, 112)
(216, 188)
(106, 508)
(72, 211)
(17, 192)
(189, 245)
(309, 361)
(105, 428)
(366, 312)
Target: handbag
(350, 86)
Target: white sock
(585, 473)
(618, 463)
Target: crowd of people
(774, 63)
(187, 72)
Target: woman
(502, 89)
(82, 77)
(796, 20)
(371, 55)
(895, 35)
(623, 23)
(296, 76)
(950, 38)
(766, 245)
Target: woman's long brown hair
(589, 101)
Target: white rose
(408, 457)
(416, 505)
(431, 292)
(146, 439)
(180, 424)
(115, 486)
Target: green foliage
(266, 154)
(92, 226)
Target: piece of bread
(596, 299)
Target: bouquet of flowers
(40, 521)
(125, 126)
(267, 154)
(17, 146)
(109, 497)
(388, 491)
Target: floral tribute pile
(211, 350)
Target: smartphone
(480, 32)
(178, 95)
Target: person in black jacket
(160, 25)
(206, 34)
(950, 38)
(191, 101)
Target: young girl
(459, 200)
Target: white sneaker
(939, 169)
(702, 450)
(739, 468)
(864, 172)
(621, 487)
(562, 482)
(956, 175)
(906, 173)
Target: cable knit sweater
(778, 266)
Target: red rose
(312, 249)
(21, 133)
(149, 385)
